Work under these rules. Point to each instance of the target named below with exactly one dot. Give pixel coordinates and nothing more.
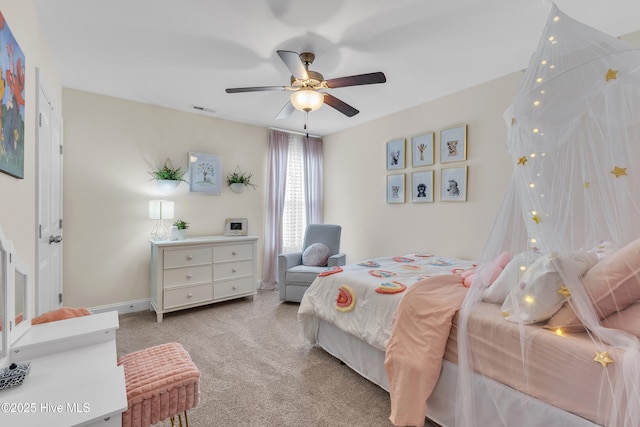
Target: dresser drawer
(234, 287)
(188, 275)
(230, 252)
(187, 256)
(230, 270)
(187, 295)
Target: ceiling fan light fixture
(307, 100)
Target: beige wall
(17, 196)
(110, 145)
(356, 179)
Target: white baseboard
(124, 307)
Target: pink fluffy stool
(162, 382)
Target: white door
(49, 233)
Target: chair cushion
(316, 255)
(303, 275)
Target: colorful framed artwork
(395, 188)
(12, 61)
(205, 172)
(422, 150)
(396, 154)
(422, 187)
(453, 144)
(453, 182)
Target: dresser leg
(159, 317)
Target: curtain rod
(295, 132)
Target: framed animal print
(396, 154)
(422, 150)
(422, 187)
(453, 144)
(453, 183)
(395, 188)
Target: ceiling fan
(306, 86)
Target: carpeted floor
(257, 369)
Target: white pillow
(316, 255)
(537, 297)
(509, 277)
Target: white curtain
(294, 196)
(277, 176)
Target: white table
(74, 378)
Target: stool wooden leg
(172, 424)
(186, 420)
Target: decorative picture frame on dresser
(453, 144)
(396, 154)
(422, 150)
(205, 173)
(235, 227)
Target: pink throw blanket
(420, 330)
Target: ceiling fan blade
(294, 64)
(254, 89)
(286, 111)
(360, 79)
(339, 105)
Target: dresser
(201, 270)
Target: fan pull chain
(306, 121)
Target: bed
(349, 312)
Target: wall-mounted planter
(167, 184)
(237, 187)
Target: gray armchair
(294, 277)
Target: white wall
(17, 196)
(110, 146)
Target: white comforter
(371, 318)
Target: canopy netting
(573, 204)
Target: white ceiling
(182, 53)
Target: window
(294, 215)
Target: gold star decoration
(564, 291)
(587, 184)
(611, 74)
(536, 218)
(602, 357)
(522, 160)
(618, 172)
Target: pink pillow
(627, 320)
(612, 284)
(498, 265)
(60, 314)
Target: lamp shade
(307, 100)
(160, 209)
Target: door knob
(55, 239)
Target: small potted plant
(181, 229)
(239, 180)
(168, 176)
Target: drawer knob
(233, 270)
(189, 276)
(189, 257)
(234, 253)
(189, 295)
(234, 287)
